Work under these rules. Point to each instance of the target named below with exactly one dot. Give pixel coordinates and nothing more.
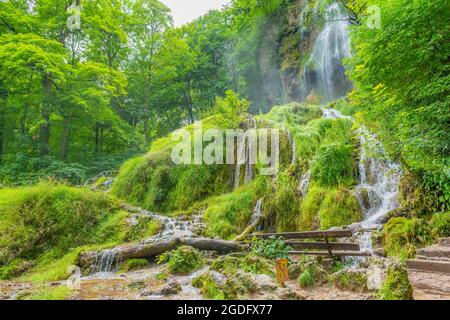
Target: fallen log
(89, 259)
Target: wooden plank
(335, 253)
(344, 246)
(307, 235)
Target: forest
(91, 93)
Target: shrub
(182, 260)
(306, 279)
(271, 248)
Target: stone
(170, 288)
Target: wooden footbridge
(319, 243)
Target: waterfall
(244, 149)
(379, 179)
(257, 214)
(106, 260)
(324, 73)
(304, 183)
(293, 147)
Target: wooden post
(282, 271)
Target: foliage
(402, 236)
(402, 90)
(271, 248)
(182, 260)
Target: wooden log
(149, 250)
(345, 246)
(335, 253)
(344, 233)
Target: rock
(289, 294)
(376, 275)
(264, 282)
(294, 271)
(170, 288)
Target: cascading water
(293, 147)
(377, 192)
(244, 150)
(379, 178)
(304, 183)
(324, 73)
(106, 261)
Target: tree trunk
(44, 130)
(146, 133)
(65, 139)
(189, 101)
(3, 98)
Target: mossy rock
(133, 264)
(396, 285)
(238, 285)
(311, 272)
(209, 286)
(226, 264)
(350, 279)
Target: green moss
(133, 264)
(284, 204)
(49, 293)
(339, 208)
(182, 260)
(440, 225)
(333, 165)
(325, 208)
(401, 236)
(228, 215)
(238, 285)
(155, 183)
(226, 264)
(14, 269)
(208, 287)
(396, 285)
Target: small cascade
(257, 214)
(244, 150)
(293, 147)
(304, 183)
(324, 73)
(176, 228)
(333, 114)
(106, 261)
(379, 179)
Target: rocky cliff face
(290, 68)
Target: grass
(49, 293)
(45, 227)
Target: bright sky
(185, 11)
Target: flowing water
(324, 73)
(293, 147)
(377, 192)
(304, 183)
(244, 152)
(379, 178)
